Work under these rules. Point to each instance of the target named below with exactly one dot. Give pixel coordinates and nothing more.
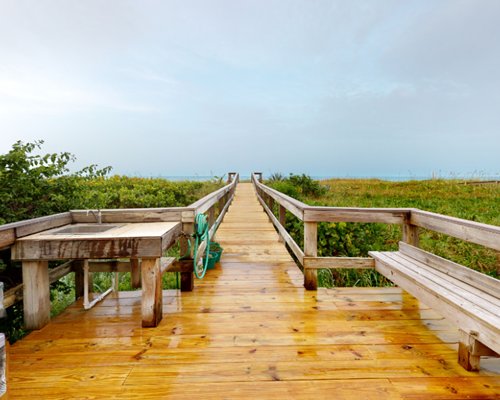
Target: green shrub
(287, 188)
(297, 186)
(307, 186)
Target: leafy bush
(286, 187)
(297, 186)
(33, 185)
(307, 186)
(276, 177)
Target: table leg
(136, 273)
(36, 294)
(152, 301)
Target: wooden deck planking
(250, 330)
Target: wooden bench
(467, 298)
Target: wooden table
(145, 241)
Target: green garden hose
(201, 233)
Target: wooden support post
(36, 296)
(187, 281)
(187, 278)
(152, 302)
(231, 176)
(282, 218)
(271, 203)
(78, 268)
(221, 204)
(466, 356)
(310, 250)
(282, 215)
(410, 233)
(470, 350)
(268, 201)
(211, 215)
(135, 277)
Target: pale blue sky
(202, 87)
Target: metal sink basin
(84, 229)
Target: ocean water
(398, 178)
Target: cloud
(23, 91)
(451, 41)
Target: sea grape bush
(297, 186)
(32, 185)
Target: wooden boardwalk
(249, 330)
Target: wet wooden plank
(445, 388)
(375, 389)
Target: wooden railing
(214, 205)
(410, 219)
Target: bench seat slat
(464, 313)
(476, 279)
(489, 304)
(443, 293)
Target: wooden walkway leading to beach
(249, 330)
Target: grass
(478, 202)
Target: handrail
(297, 251)
(469, 231)
(295, 206)
(11, 231)
(224, 196)
(309, 213)
(411, 220)
(205, 203)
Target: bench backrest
(476, 279)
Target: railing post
(410, 232)
(187, 278)
(282, 218)
(211, 215)
(220, 206)
(282, 215)
(310, 250)
(270, 203)
(231, 176)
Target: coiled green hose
(201, 233)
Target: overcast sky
(359, 88)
